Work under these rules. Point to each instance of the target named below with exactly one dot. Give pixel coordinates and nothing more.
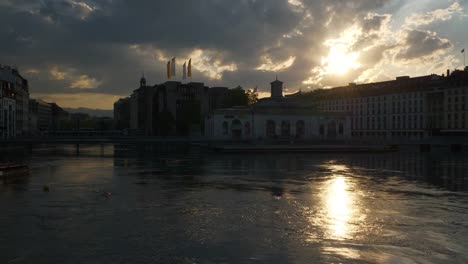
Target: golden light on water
(338, 207)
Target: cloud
(210, 63)
(105, 45)
(268, 64)
(375, 22)
(85, 82)
(73, 78)
(421, 45)
(416, 20)
(32, 71)
(56, 10)
(370, 50)
(56, 74)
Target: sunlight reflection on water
(338, 203)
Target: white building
(406, 108)
(276, 118)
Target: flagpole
(464, 58)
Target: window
(225, 128)
(285, 128)
(270, 128)
(340, 129)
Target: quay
(305, 148)
(455, 144)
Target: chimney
(448, 72)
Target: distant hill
(91, 112)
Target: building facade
(170, 108)
(7, 110)
(20, 87)
(122, 114)
(406, 108)
(40, 116)
(276, 118)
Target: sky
(89, 53)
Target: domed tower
(143, 81)
(276, 89)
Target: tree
(252, 96)
(236, 97)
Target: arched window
(300, 128)
(270, 128)
(225, 128)
(285, 128)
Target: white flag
(173, 67)
(184, 71)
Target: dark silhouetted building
(58, 116)
(122, 114)
(171, 108)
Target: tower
(143, 81)
(276, 89)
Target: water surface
(153, 204)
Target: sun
(340, 62)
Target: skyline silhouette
(93, 51)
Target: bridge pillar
(77, 148)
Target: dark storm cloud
(92, 38)
(374, 22)
(419, 43)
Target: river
(179, 204)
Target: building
(276, 118)
(170, 108)
(7, 110)
(40, 116)
(173, 108)
(122, 114)
(20, 86)
(405, 108)
(58, 117)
